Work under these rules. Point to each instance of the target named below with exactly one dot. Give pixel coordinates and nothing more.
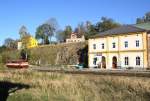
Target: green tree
(147, 17)
(40, 34)
(47, 30)
(68, 31)
(139, 20)
(106, 24)
(91, 30)
(144, 19)
(3, 48)
(44, 32)
(62, 35)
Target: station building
(120, 48)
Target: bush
(9, 55)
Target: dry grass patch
(65, 87)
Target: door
(114, 62)
(103, 62)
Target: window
(103, 46)
(126, 62)
(137, 43)
(138, 60)
(94, 46)
(94, 61)
(114, 45)
(126, 44)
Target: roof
(125, 29)
(145, 26)
(77, 34)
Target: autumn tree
(25, 41)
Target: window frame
(137, 43)
(103, 46)
(113, 45)
(126, 44)
(138, 61)
(126, 61)
(94, 60)
(94, 46)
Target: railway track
(133, 73)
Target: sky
(32, 13)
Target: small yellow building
(120, 48)
(28, 42)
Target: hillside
(60, 54)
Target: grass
(65, 87)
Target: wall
(120, 51)
(61, 54)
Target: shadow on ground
(6, 88)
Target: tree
(61, 35)
(53, 23)
(81, 29)
(106, 24)
(68, 31)
(10, 43)
(47, 30)
(147, 17)
(87, 29)
(3, 48)
(139, 20)
(91, 30)
(144, 19)
(25, 41)
(40, 34)
(44, 32)
(23, 32)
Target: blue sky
(32, 13)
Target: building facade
(27, 42)
(119, 48)
(75, 37)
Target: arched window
(126, 60)
(137, 60)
